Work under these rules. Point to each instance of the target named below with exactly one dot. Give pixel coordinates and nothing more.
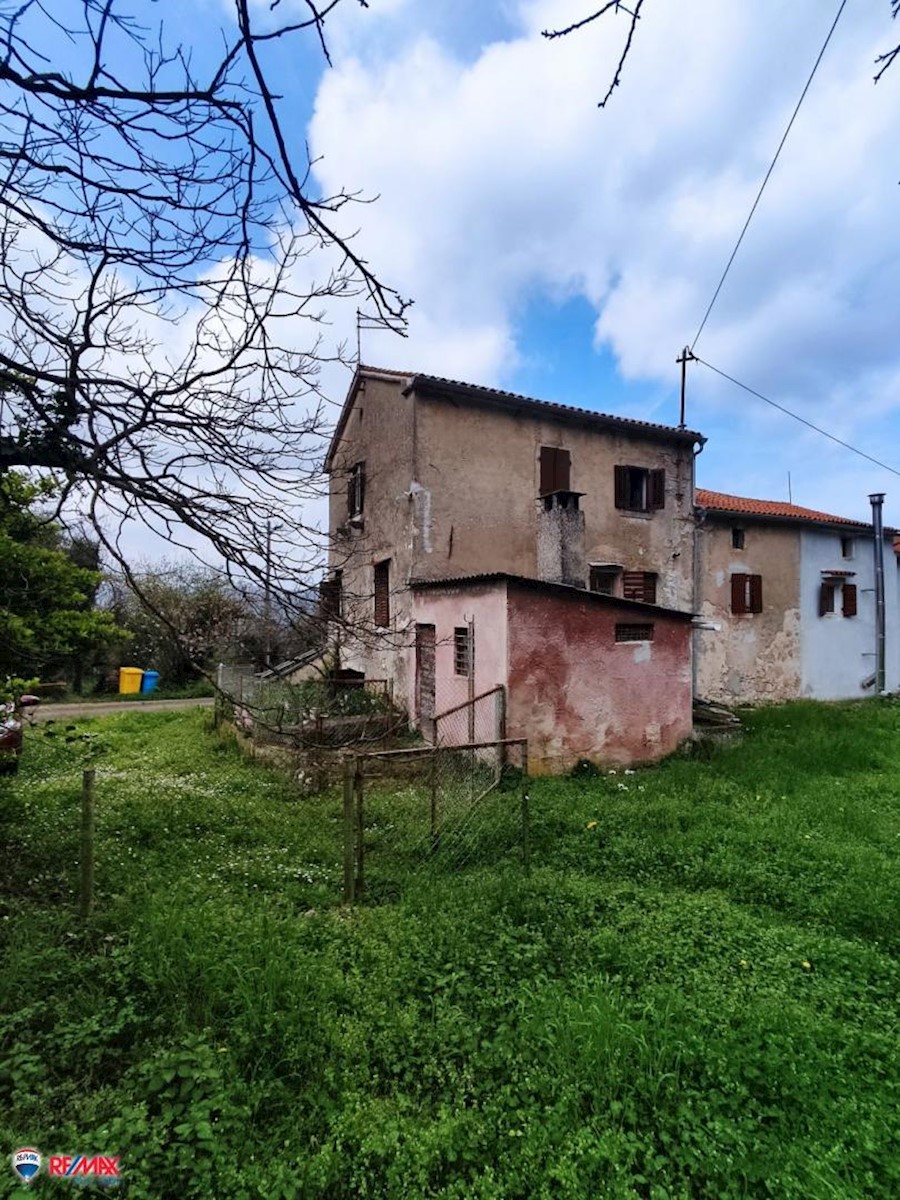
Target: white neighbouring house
(787, 603)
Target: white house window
(830, 590)
(847, 547)
(604, 578)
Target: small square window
(746, 593)
(847, 547)
(604, 578)
(639, 585)
(463, 651)
(737, 538)
(634, 633)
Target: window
(846, 547)
(555, 470)
(604, 578)
(634, 633)
(331, 597)
(356, 490)
(463, 651)
(639, 490)
(639, 585)
(828, 598)
(383, 593)
(746, 593)
(737, 539)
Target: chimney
(560, 540)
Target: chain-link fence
(432, 808)
(314, 713)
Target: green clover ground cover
(695, 992)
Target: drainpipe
(877, 500)
(698, 520)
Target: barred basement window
(634, 633)
(463, 651)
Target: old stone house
(786, 603)
(453, 492)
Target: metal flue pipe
(877, 501)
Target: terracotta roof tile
(722, 502)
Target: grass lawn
(694, 993)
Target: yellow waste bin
(129, 680)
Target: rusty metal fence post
(349, 828)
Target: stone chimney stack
(560, 540)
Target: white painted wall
(837, 653)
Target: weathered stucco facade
(453, 486)
(573, 690)
(814, 632)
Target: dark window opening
(746, 593)
(639, 585)
(356, 490)
(826, 598)
(737, 539)
(331, 597)
(556, 470)
(604, 579)
(846, 547)
(463, 651)
(383, 594)
(634, 633)
(638, 489)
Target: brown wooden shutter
(555, 470)
(826, 598)
(633, 585)
(330, 598)
(383, 594)
(739, 594)
(849, 608)
(755, 593)
(656, 490)
(621, 481)
(351, 495)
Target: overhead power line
(768, 174)
(803, 421)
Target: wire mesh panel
(439, 808)
(480, 719)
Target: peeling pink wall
(575, 693)
(447, 608)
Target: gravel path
(65, 712)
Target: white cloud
(497, 176)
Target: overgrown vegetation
(693, 994)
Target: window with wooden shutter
(746, 593)
(604, 578)
(638, 489)
(826, 597)
(556, 470)
(639, 585)
(849, 600)
(383, 594)
(657, 490)
(356, 490)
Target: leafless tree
(161, 317)
(632, 12)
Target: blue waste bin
(149, 680)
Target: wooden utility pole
(684, 358)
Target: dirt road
(66, 712)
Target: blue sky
(569, 253)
